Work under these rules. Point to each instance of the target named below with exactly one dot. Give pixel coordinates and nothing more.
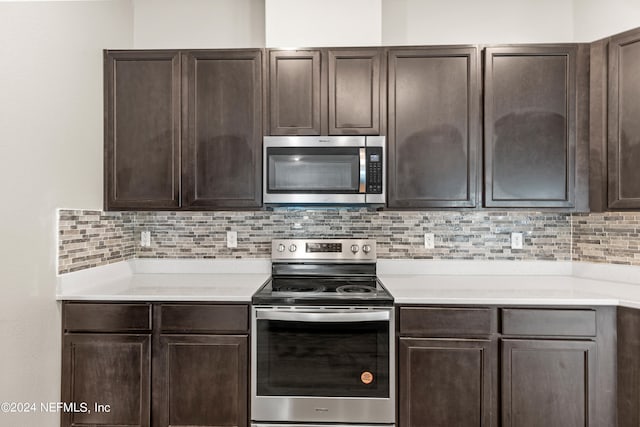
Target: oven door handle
(371, 316)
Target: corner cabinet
(183, 129)
(156, 365)
(434, 133)
(624, 126)
(142, 130)
(536, 126)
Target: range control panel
(359, 250)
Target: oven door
(314, 170)
(321, 364)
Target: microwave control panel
(374, 170)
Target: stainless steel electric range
(323, 338)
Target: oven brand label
(366, 377)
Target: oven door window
(331, 359)
(313, 170)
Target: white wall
(164, 24)
(596, 19)
(407, 22)
(50, 156)
(299, 23)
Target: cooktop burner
(355, 289)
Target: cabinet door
(201, 380)
(628, 367)
(624, 126)
(294, 91)
(548, 383)
(434, 127)
(354, 91)
(530, 126)
(106, 369)
(142, 130)
(222, 129)
(446, 382)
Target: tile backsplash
(467, 235)
(612, 237)
(92, 238)
(473, 235)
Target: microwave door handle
(323, 317)
(363, 170)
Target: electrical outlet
(429, 241)
(516, 240)
(232, 239)
(145, 239)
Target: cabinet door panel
(624, 126)
(628, 366)
(354, 91)
(202, 380)
(548, 383)
(294, 90)
(445, 383)
(142, 130)
(530, 116)
(222, 129)
(433, 127)
(107, 369)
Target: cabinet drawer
(440, 322)
(101, 317)
(549, 322)
(204, 318)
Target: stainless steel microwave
(324, 170)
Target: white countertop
(166, 280)
(409, 281)
(511, 283)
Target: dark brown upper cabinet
(336, 91)
(535, 124)
(222, 129)
(142, 130)
(294, 92)
(355, 85)
(434, 133)
(183, 133)
(624, 123)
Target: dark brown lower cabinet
(112, 370)
(557, 366)
(548, 383)
(201, 380)
(445, 382)
(178, 364)
(628, 320)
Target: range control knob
(281, 247)
(366, 249)
(293, 248)
(355, 249)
